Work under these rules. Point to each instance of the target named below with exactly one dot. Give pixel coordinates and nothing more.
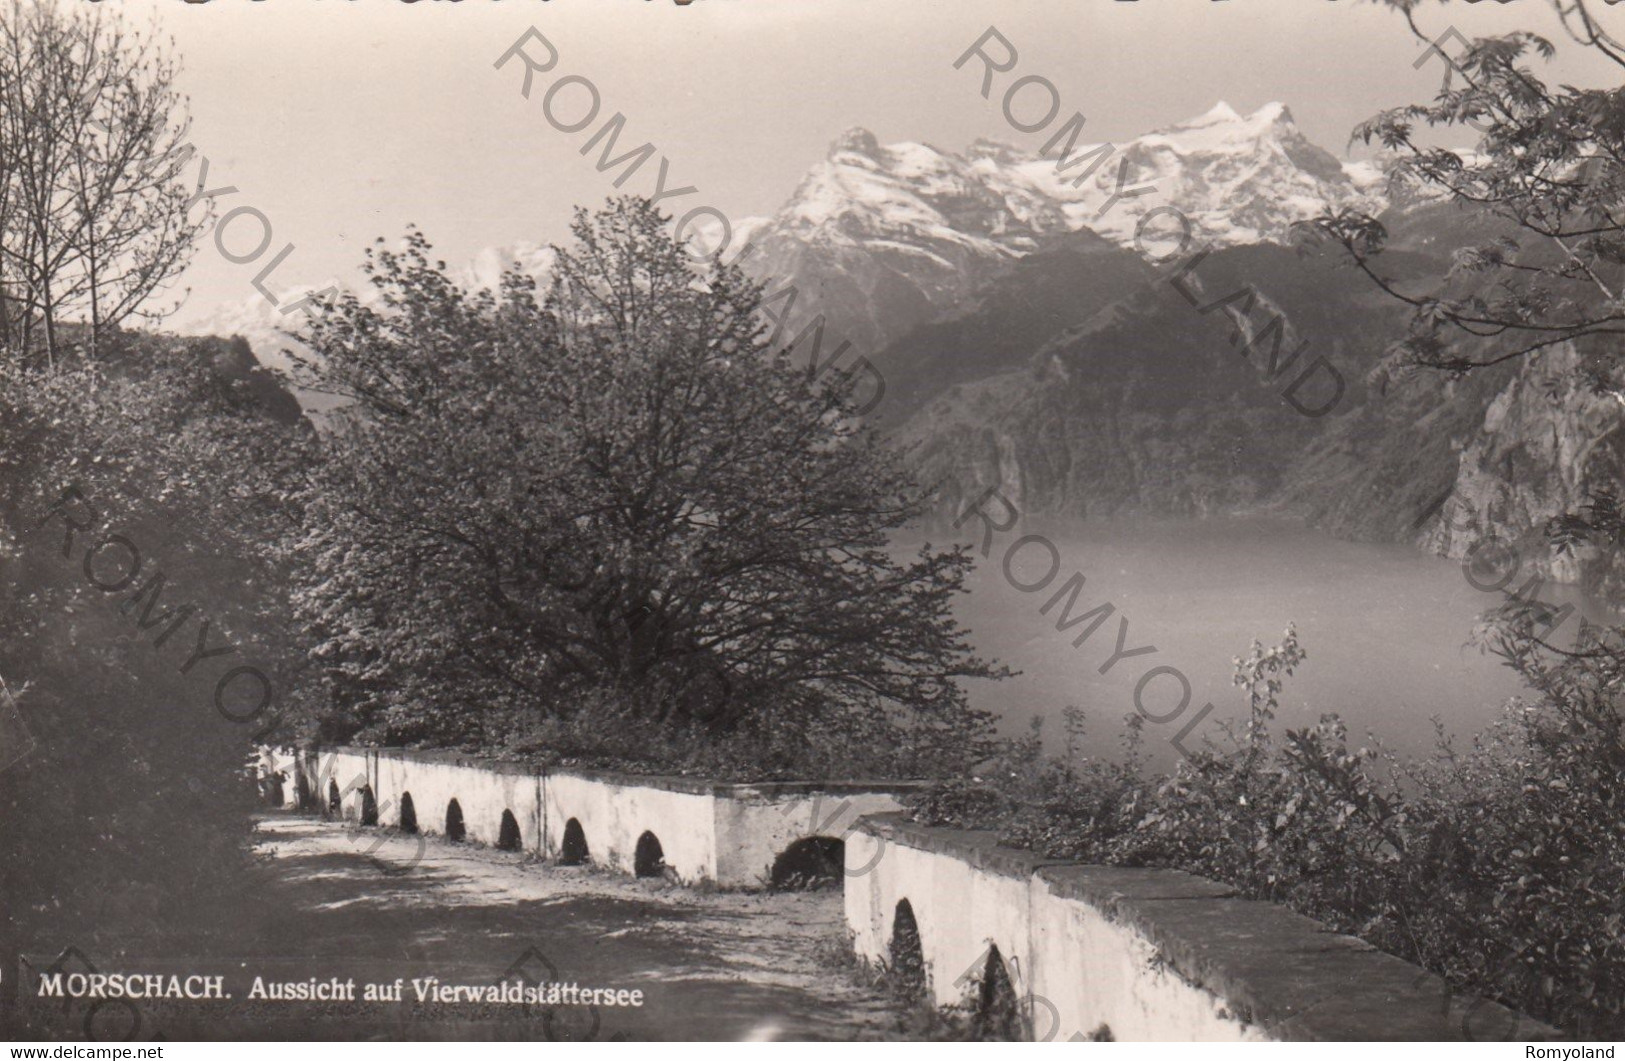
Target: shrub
(131, 808)
(1501, 868)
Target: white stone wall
(1095, 973)
(962, 910)
(1076, 972)
(351, 770)
(284, 762)
(1139, 954)
(871, 895)
(754, 825)
(614, 814)
(724, 833)
(1091, 951)
(482, 790)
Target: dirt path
(377, 906)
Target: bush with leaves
(1501, 868)
(131, 807)
(1066, 806)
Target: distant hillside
(1144, 408)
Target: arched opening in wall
(409, 814)
(369, 806)
(997, 1013)
(810, 863)
(508, 835)
(648, 860)
(454, 822)
(907, 956)
(301, 791)
(273, 791)
(335, 802)
(573, 852)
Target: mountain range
(1030, 343)
(885, 238)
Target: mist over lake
(1386, 629)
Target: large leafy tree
(616, 507)
(139, 476)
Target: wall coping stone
(702, 786)
(734, 789)
(451, 758)
(977, 847)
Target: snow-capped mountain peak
(1223, 128)
(1240, 178)
(912, 193)
(887, 236)
(999, 152)
(855, 141)
(1221, 112)
(871, 221)
(485, 269)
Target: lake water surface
(1385, 628)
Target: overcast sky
(346, 121)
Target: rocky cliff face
(1546, 443)
(1031, 351)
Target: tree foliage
(1501, 867)
(138, 492)
(614, 512)
(1545, 182)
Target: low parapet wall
(1097, 952)
(688, 828)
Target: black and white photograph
(592, 521)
